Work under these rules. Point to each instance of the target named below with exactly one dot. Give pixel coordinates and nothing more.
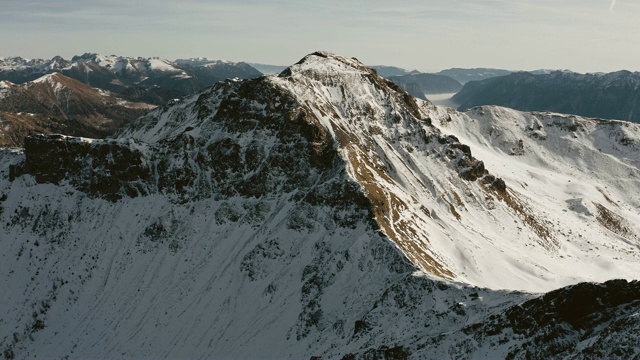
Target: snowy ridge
(114, 63)
(469, 229)
(314, 213)
(203, 61)
(36, 65)
(53, 80)
(141, 67)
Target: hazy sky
(581, 35)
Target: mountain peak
(425, 190)
(85, 57)
(58, 81)
(326, 63)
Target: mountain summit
(307, 213)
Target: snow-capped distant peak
(159, 64)
(14, 63)
(117, 64)
(107, 61)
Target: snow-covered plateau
(324, 213)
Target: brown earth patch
(612, 221)
(388, 208)
(513, 201)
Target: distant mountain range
(417, 83)
(389, 71)
(448, 81)
(420, 84)
(465, 75)
(611, 96)
(461, 75)
(153, 80)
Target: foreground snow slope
(321, 212)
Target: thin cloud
(612, 7)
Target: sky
(428, 35)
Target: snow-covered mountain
(59, 104)
(609, 96)
(117, 72)
(323, 212)
(154, 80)
(20, 70)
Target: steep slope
(314, 213)
(574, 177)
(441, 206)
(56, 103)
(609, 96)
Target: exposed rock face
(289, 216)
(107, 169)
(574, 322)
